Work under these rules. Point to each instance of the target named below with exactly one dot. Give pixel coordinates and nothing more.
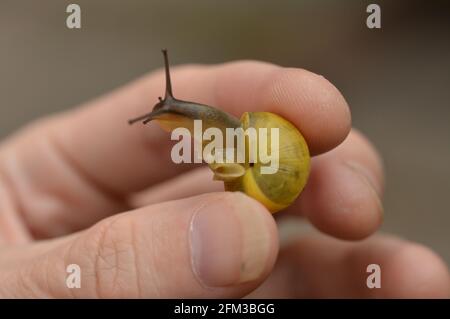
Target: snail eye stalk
(169, 93)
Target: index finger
(97, 141)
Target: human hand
(84, 188)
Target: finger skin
(12, 228)
(158, 251)
(191, 183)
(343, 195)
(321, 267)
(51, 197)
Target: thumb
(212, 245)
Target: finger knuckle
(113, 259)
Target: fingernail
(230, 241)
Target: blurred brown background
(396, 80)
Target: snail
(275, 191)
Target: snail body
(275, 191)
